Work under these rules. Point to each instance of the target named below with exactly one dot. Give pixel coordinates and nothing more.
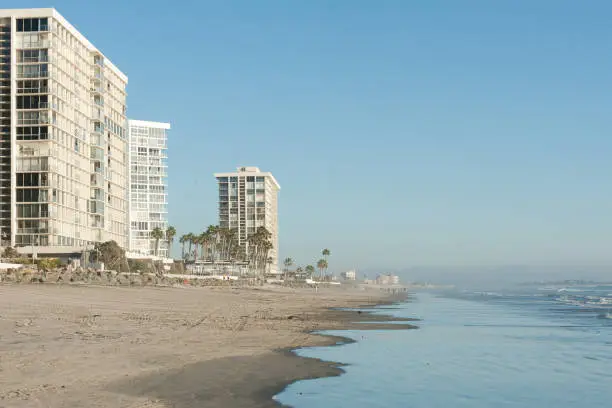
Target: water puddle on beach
(469, 353)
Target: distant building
(387, 279)
(349, 275)
(148, 186)
(248, 199)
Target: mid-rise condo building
(148, 186)
(63, 137)
(248, 199)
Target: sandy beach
(159, 347)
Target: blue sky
(402, 133)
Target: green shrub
(10, 252)
(48, 263)
(22, 261)
(138, 265)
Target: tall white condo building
(248, 199)
(63, 137)
(148, 186)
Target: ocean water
(527, 347)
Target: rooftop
(252, 170)
(144, 123)
(51, 12)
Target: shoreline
(181, 347)
(334, 368)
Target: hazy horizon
(493, 276)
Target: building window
(33, 102)
(32, 117)
(32, 210)
(33, 55)
(33, 133)
(32, 24)
(33, 71)
(32, 179)
(31, 195)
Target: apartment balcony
(41, 166)
(98, 128)
(39, 106)
(96, 153)
(39, 90)
(96, 139)
(96, 180)
(97, 194)
(97, 167)
(33, 75)
(38, 121)
(32, 230)
(36, 44)
(96, 90)
(35, 60)
(97, 115)
(99, 61)
(35, 152)
(96, 207)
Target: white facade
(349, 275)
(248, 199)
(63, 136)
(148, 186)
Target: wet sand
(76, 346)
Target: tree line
(217, 244)
(309, 270)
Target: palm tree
(258, 249)
(326, 253)
(287, 262)
(182, 240)
(269, 261)
(310, 270)
(211, 244)
(204, 240)
(235, 250)
(232, 244)
(170, 234)
(199, 240)
(322, 264)
(225, 236)
(264, 252)
(189, 239)
(157, 234)
(298, 271)
(251, 252)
